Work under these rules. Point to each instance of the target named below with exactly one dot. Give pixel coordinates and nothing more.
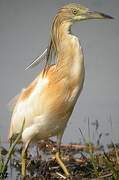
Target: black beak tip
(107, 16)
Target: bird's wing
(12, 103)
(45, 95)
(26, 105)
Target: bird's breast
(77, 69)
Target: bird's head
(68, 13)
(75, 12)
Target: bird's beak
(98, 15)
(95, 15)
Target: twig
(75, 146)
(70, 146)
(60, 175)
(104, 176)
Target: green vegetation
(84, 161)
(5, 160)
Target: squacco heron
(47, 103)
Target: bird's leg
(24, 159)
(23, 162)
(57, 155)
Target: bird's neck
(69, 53)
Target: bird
(46, 105)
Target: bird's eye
(74, 11)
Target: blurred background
(24, 34)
